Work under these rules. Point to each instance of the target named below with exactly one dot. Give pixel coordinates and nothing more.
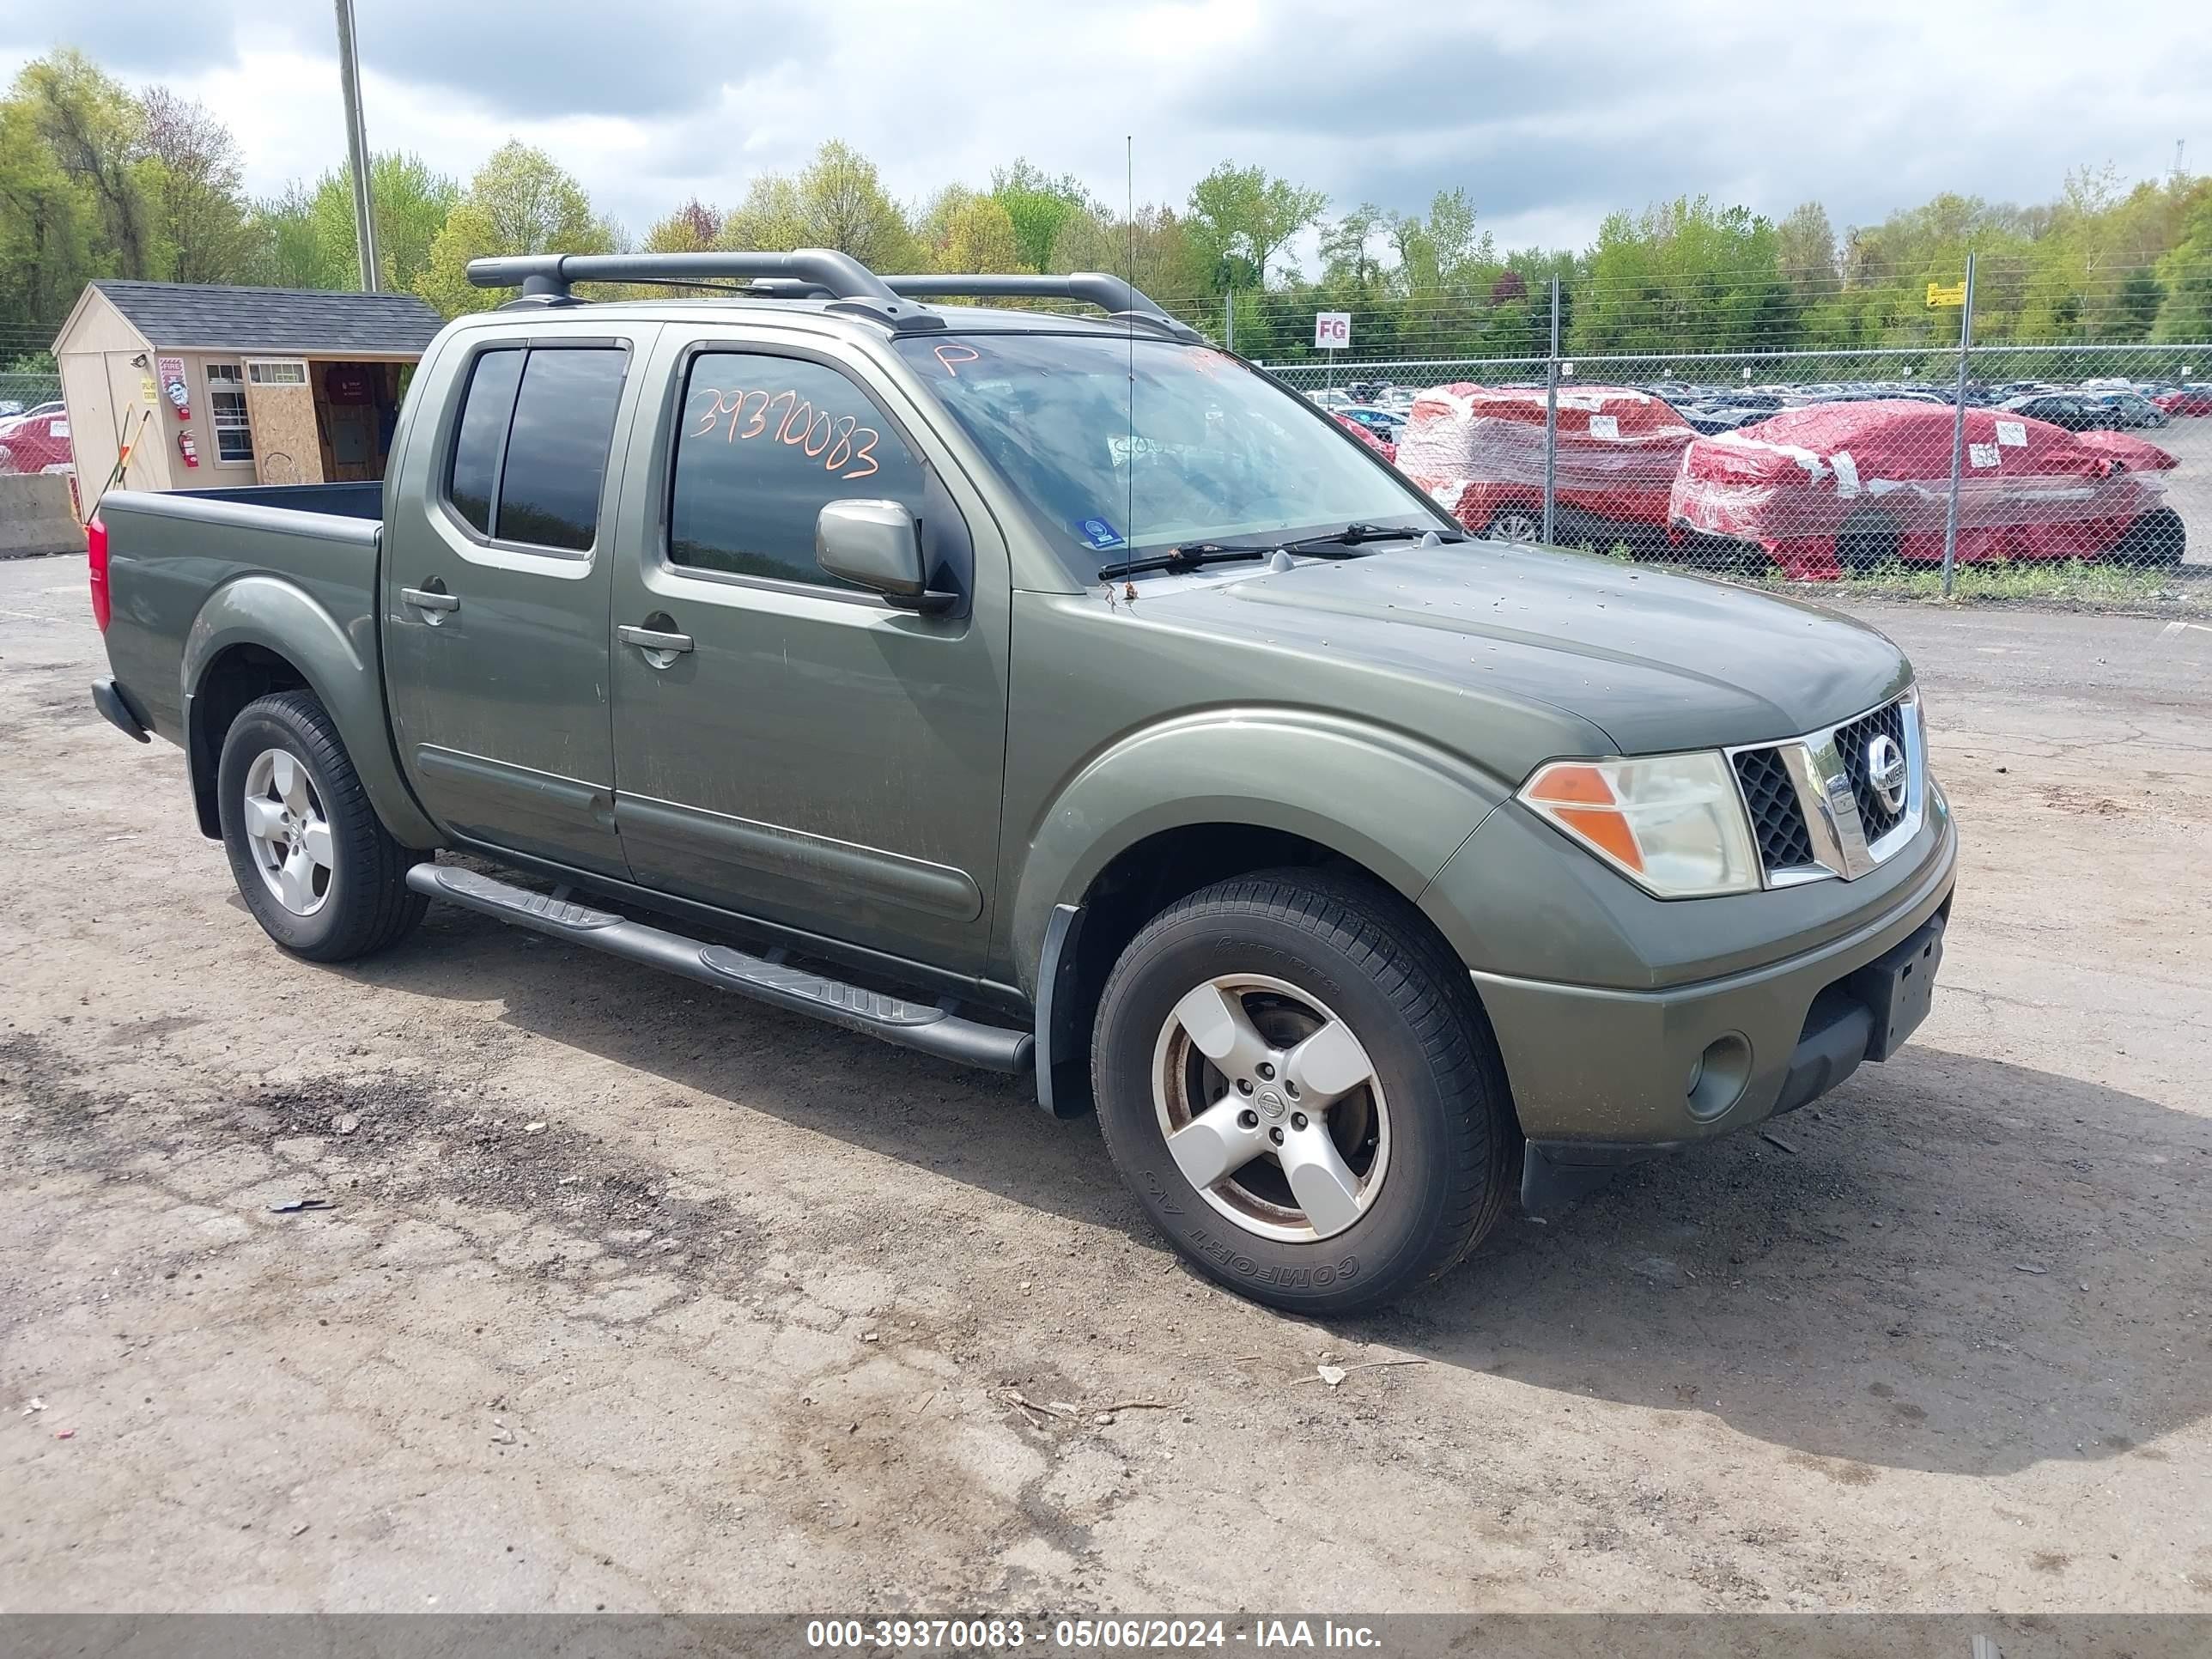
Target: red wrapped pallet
(1837, 487)
(1478, 451)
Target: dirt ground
(628, 1295)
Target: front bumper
(1602, 1077)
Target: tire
(2154, 541)
(1516, 524)
(1867, 542)
(284, 751)
(1428, 1136)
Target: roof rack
(812, 271)
(850, 284)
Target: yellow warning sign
(1955, 295)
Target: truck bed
(189, 569)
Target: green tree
(1038, 207)
(694, 227)
(411, 201)
(48, 225)
(1346, 251)
(521, 201)
(1242, 217)
(836, 201)
(198, 209)
(2184, 315)
(1805, 248)
(95, 130)
(1684, 275)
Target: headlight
(1673, 824)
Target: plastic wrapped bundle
(1478, 451)
(1843, 487)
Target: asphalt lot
(632, 1297)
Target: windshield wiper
(1191, 554)
(1353, 534)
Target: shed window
(234, 434)
(277, 372)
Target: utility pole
(364, 221)
(1958, 429)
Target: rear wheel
(1297, 1081)
(319, 870)
(1867, 540)
(1515, 524)
(2157, 540)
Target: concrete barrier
(35, 516)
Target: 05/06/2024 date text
(1086, 1635)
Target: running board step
(933, 1028)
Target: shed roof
(181, 316)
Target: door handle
(652, 639)
(423, 600)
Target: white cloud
(1550, 115)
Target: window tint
(556, 452)
(483, 430)
(765, 444)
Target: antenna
(1129, 203)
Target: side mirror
(877, 545)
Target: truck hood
(1655, 661)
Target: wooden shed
(212, 385)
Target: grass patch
(2050, 580)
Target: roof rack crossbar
(840, 276)
(1119, 299)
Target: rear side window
(530, 452)
(482, 434)
(766, 443)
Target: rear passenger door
(495, 573)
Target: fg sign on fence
(1332, 330)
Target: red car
(1835, 488)
(1382, 446)
(36, 443)
(1478, 451)
(2187, 400)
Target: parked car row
(1820, 489)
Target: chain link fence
(2006, 468)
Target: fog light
(1718, 1077)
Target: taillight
(95, 546)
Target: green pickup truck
(1060, 695)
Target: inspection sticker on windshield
(1099, 533)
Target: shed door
(281, 405)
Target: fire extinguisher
(188, 449)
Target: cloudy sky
(1550, 114)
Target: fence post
(1229, 321)
(1552, 417)
(1959, 429)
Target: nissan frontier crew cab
(1057, 694)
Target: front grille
(1777, 821)
(1851, 742)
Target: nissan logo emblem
(1885, 772)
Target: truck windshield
(1215, 452)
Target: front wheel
(2155, 541)
(313, 863)
(1296, 1079)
